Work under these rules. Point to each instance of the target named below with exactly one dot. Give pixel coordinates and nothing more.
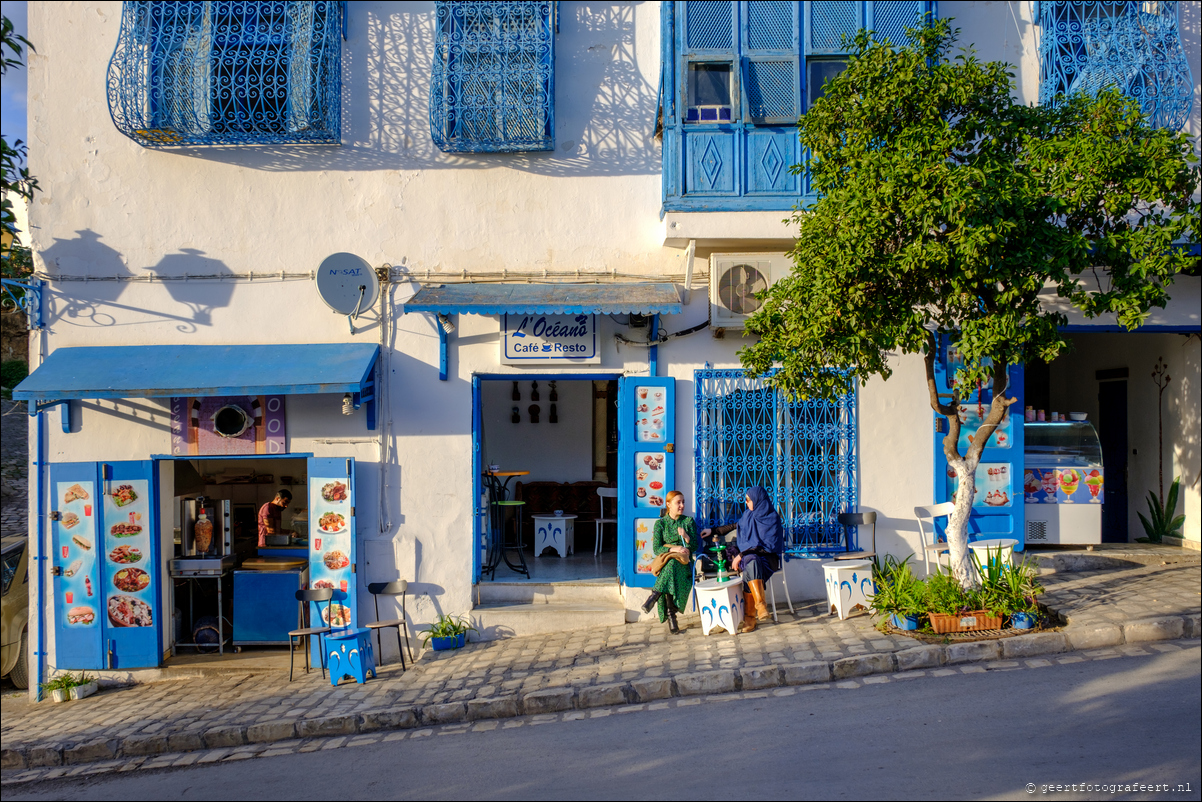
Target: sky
(12, 88)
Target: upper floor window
(737, 76)
(492, 87)
(227, 73)
(1086, 45)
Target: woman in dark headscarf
(756, 552)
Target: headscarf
(760, 527)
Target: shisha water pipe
(719, 559)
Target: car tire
(20, 673)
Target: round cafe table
(996, 548)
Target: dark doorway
(1112, 430)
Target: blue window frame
(1086, 45)
(802, 452)
(737, 75)
(492, 89)
(227, 73)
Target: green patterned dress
(676, 580)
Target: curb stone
(1079, 637)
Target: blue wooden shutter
(325, 565)
(646, 469)
(889, 19)
(826, 23)
(75, 538)
(993, 515)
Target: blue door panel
(646, 469)
(79, 613)
(998, 505)
(332, 543)
(132, 591)
(769, 156)
(710, 159)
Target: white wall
(552, 452)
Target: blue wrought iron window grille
(228, 73)
(1086, 45)
(492, 88)
(737, 76)
(802, 452)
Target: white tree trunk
(957, 523)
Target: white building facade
(173, 218)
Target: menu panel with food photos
(77, 603)
(994, 485)
(129, 587)
(649, 477)
(644, 556)
(332, 540)
(650, 413)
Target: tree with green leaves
(14, 254)
(945, 208)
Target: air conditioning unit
(735, 278)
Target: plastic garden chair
(604, 493)
(935, 546)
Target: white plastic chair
(604, 493)
(784, 580)
(936, 547)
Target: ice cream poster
(971, 418)
(1078, 486)
(644, 556)
(994, 485)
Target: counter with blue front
(265, 607)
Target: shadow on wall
(1191, 41)
(605, 109)
(94, 301)
(1182, 406)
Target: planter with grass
(67, 687)
(899, 594)
(448, 632)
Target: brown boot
(749, 622)
(757, 594)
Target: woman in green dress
(674, 533)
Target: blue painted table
(350, 654)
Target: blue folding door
(646, 469)
(332, 544)
(107, 589)
(997, 510)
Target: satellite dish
(347, 283)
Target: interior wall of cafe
(1074, 387)
(552, 452)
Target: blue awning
(142, 371)
(547, 299)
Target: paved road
(1122, 720)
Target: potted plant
(448, 632)
(66, 686)
(899, 594)
(1021, 587)
(951, 608)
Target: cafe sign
(549, 340)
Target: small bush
(12, 372)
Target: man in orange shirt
(269, 515)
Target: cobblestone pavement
(289, 746)
(14, 469)
(580, 670)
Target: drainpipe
(653, 351)
(35, 690)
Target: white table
(988, 549)
(554, 531)
(848, 585)
(720, 603)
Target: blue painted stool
(350, 655)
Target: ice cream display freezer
(1063, 483)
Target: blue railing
(1132, 46)
(492, 88)
(227, 73)
(802, 452)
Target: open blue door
(131, 589)
(106, 566)
(646, 469)
(998, 507)
(480, 508)
(332, 543)
(79, 613)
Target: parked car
(14, 611)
